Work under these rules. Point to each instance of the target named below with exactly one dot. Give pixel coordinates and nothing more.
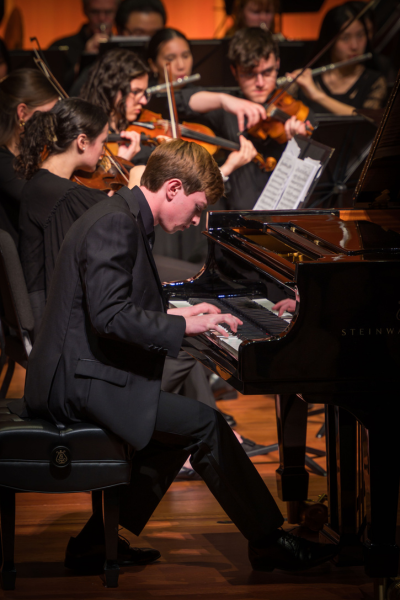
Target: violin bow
(41, 63)
(286, 85)
(173, 113)
(43, 66)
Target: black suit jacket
(100, 352)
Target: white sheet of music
(298, 183)
(289, 182)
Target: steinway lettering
(365, 331)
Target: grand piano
(341, 347)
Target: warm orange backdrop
(50, 19)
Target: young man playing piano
(100, 353)
(254, 58)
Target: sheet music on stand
(295, 175)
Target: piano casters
(363, 489)
(291, 476)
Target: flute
(352, 61)
(181, 81)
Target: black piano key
(258, 322)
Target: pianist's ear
(172, 188)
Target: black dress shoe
(186, 474)
(86, 557)
(229, 419)
(290, 553)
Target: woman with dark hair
(356, 86)
(169, 46)
(117, 83)
(22, 93)
(54, 145)
(140, 17)
(253, 13)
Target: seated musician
(22, 93)
(100, 19)
(354, 86)
(254, 62)
(169, 47)
(140, 18)
(253, 13)
(100, 353)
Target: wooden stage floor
(203, 555)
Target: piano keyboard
(259, 321)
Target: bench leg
(7, 513)
(111, 520)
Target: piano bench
(36, 456)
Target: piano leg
(291, 476)
(343, 518)
(382, 478)
(363, 487)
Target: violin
(154, 129)
(110, 174)
(278, 112)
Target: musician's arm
(316, 94)
(204, 102)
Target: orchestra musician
(100, 20)
(99, 357)
(342, 90)
(117, 82)
(253, 13)
(22, 93)
(169, 47)
(254, 58)
(54, 146)
(140, 18)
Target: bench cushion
(36, 456)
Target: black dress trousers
(187, 427)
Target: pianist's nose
(195, 220)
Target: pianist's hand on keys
(205, 317)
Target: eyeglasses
(267, 74)
(139, 94)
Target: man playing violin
(254, 58)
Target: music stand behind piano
(351, 136)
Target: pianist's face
(178, 212)
(258, 82)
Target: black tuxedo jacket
(100, 352)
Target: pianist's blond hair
(187, 161)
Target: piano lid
(379, 184)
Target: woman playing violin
(353, 86)
(254, 62)
(22, 93)
(55, 144)
(117, 83)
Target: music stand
(351, 136)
